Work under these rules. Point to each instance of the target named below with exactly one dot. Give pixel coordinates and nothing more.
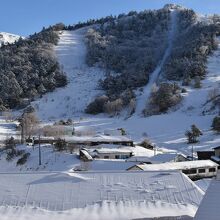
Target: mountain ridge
(6, 38)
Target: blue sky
(25, 17)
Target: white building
(113, 153)
(194, 169)
(168, 157)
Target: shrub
(166, 96)
(10, 144)
(60, 145)
(122, 130)
(97, 106)
(146, 143)
(114, 107)
(193, 134)
(11, 154)
(23, 159)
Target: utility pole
(22, 130)
(39, 151)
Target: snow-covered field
(7, 129)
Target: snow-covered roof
(210, 205)
(63, 191)
(89, 157)
(177, 165)
(98, 138)
(139, 159)
(166, 157)
(113, 151)
(216, 148)
(217, 159)
(110, 165)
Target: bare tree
(28, 125)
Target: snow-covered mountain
(103, 60)
(8, 38)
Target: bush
(114, 107)
(164, 97)
(146, 143)
(60, 145)
(97, 106)
(11, 154)
(10, 144)
(23, 159)
(216, 123)
(193, 134)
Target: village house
(213, 155)
(113, 153)
(159, 158)
(205, 155)
(168, 157)
(98, 140)
(84, 155)
(193, 169)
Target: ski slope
(82, 80)
(143, 98)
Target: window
(186, 171)
(124, 156)
(211, 170)
(117, 156)
(201, 170)
(106, 157)
(192, 171)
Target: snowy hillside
(82, 81)
(166, 130)
(8, 38)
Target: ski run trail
(82, 84)
(143, 98)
